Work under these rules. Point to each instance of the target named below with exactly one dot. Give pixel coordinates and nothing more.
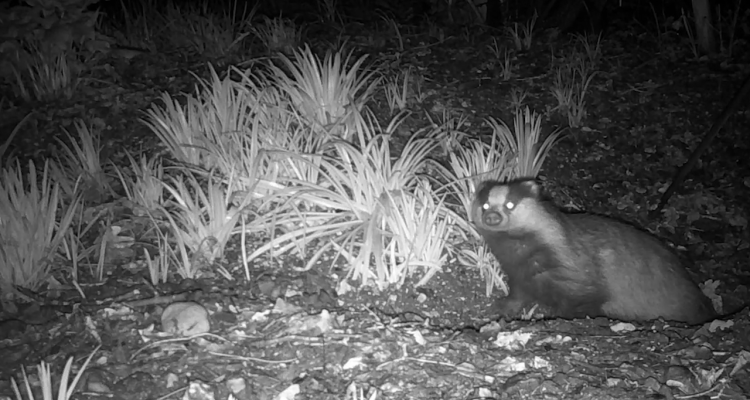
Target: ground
(647, 110)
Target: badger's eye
(486, 206)
(510, 205)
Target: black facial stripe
(515, 195)
(484, 193)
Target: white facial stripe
(497, 195)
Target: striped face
(506, 207)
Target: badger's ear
(483, 186)
(533, 186)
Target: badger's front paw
(518, 308)
(508, 307)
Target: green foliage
(200, 218)
(79, 166)
(55, 25)
(9, 140)
(361, 201)
(279, 35)
(43, 45)
(194, 27)
(33, 223)
(65, 388)
(328, 93)
(527, 150)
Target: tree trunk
(573, 15)
(704, 32)
(495, 16)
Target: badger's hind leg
(656, 285)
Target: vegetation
(340, 157)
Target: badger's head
(507, 207)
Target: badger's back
(644, 279)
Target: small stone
(185, 319)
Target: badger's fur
(577, 265)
